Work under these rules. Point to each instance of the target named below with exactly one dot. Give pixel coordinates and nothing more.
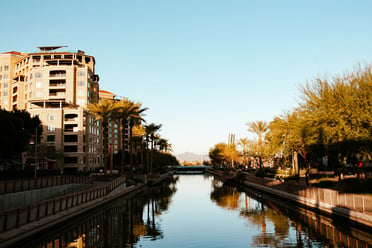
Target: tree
(341, 110)
(151, 130)
(139, 141)
(104, 112)
(231, 154)
(129, 113)
(216, 154)
(244, 144)
(259, 128)
(17, 127)
(164, 145)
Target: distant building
(56, 85)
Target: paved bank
(15, 235)
(352, 207)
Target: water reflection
(183, 216)
(283, 224)
(117, 224)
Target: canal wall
(24, 222)
(20, 185)
(352, 207)
(24, 198)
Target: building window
(6, 67)
(5, 85)
(81, 73)
(81, 83)
(51, 128)
(51, 117)
(70, 160)
(5, 101)
(30, 95)
(51, 138)
(6, 76)
(5, 93)
(39, 85)
(38, 75)
(39, 94)
(81, 93)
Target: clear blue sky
(203, 67)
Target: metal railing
(17, 217)
(13, 186)
(358, 202)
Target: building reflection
(119, 224)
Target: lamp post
(35, 153)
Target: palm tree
(139, 142)
(259, 128)
(164, 145)
(129, 113)
(244, 142)
(151, 130)
(103, 112)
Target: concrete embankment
(351, 207)
(24, 198)
(15, 235)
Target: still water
(200, 211)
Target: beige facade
(57, 85)
(7, 62)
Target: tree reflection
(118, 224)
(228, 197)
(225, 196)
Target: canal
(200, 211)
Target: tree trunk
(152, 156)
(124, 124)
(105, 146)
(131, 145)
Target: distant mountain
(190, 157)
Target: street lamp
(35, 153)
(34, 142)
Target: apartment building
(56, 85)
(7, 62)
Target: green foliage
(216, 153)
(259, 128)
(335, 116)
(163, 160)
(16, 129)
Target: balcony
(57, 74)
(71, 128)
(19, 78)
(57, 95)
(70, 139)
(71, 118)
(57, 83)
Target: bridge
(189, 169)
